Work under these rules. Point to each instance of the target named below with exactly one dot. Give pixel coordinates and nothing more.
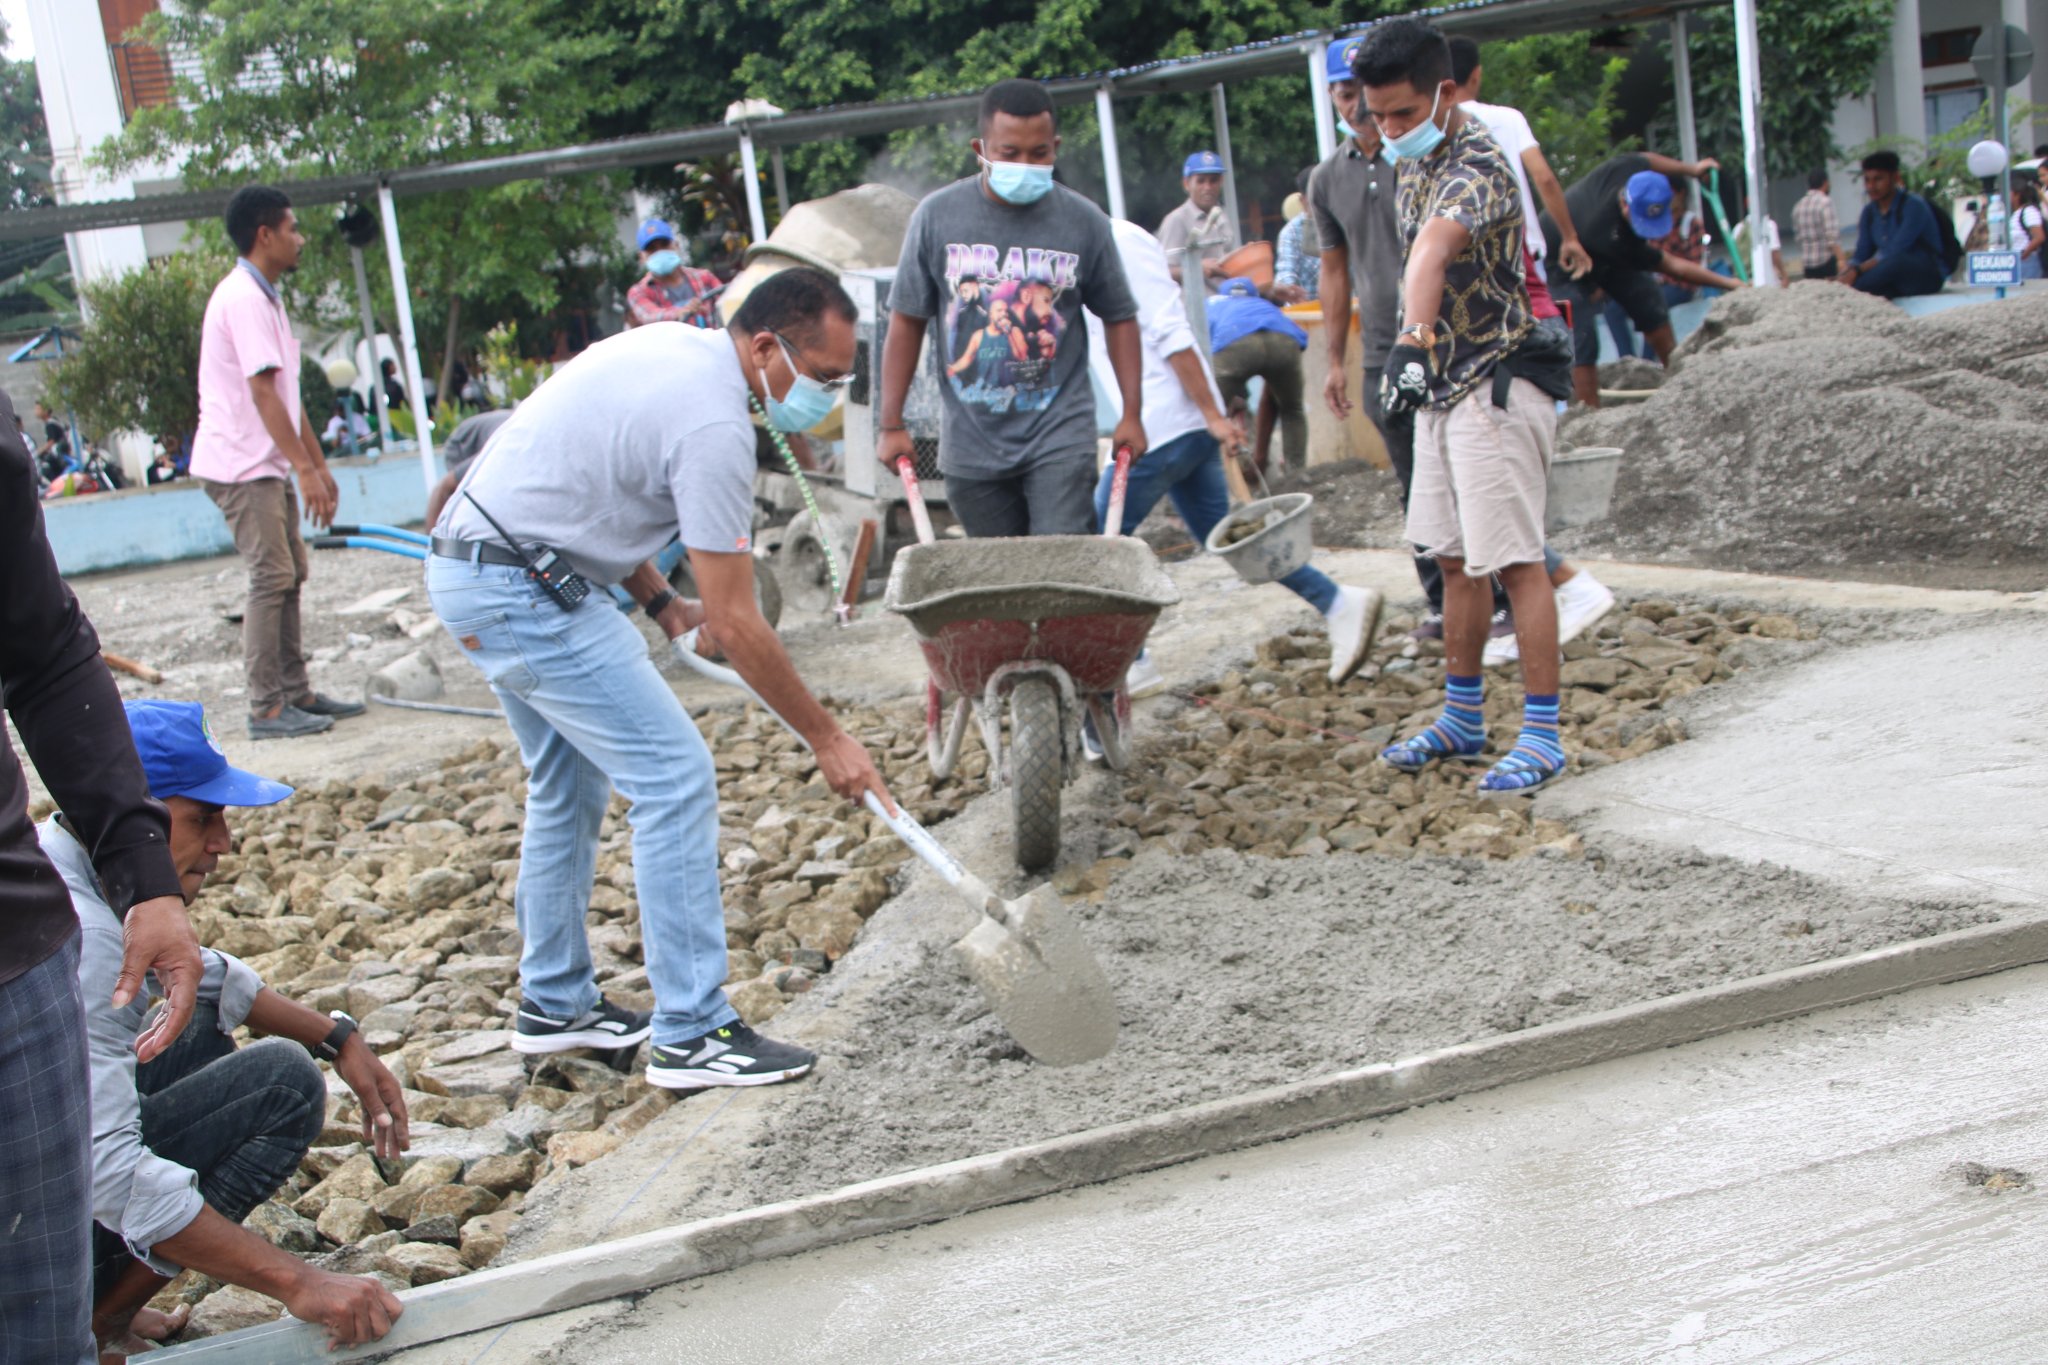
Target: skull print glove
(1405, 385)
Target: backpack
(1951, 248)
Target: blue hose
(389, 547)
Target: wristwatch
(1423, 332)
(658, 603)
(329, 1048)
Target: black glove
(1405, 385)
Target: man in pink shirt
(253, 434)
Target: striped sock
(1460, 731)
(1537, 756)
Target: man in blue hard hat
(1201, 221)
(672, 290)
(187, 1144)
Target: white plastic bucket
(1581, 487)
(1277, 551)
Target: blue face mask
(1017, 182)
(664, 263)
(807, 401)
(1423, 138)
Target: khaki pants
(1275, 358)
(1481, 475)
(263, 517)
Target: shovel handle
(902, 824)
(919, 514)
(1119, 485)
(919, 839)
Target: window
(1948, 108)
(1947, 47)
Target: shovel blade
(1043, 981)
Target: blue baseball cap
(1649, 205)
(1202, 163)
(655, 230)
(180, 757)
(1341, 54)
(1239, 286)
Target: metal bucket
(1272, 554)
(1581, 487)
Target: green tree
(115, 382)
(1569, 93)
(24, 135)
(683, 62)
(1815, 54)
(293, 88)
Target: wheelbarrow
(1045, 626)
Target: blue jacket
(1233, 318)
(1907, 228)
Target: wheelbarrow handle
(920, 515)
(1119, 485)
(902, 824)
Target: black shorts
(1637, 291)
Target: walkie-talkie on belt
(556, 578)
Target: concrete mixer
(856, 235)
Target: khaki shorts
(1480, 477)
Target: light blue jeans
(591, 713)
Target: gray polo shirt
(1188, 224)
(1351, 197)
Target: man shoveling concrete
(660, 418)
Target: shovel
(1026, 956)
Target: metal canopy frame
(1479, 19)
(1282, 56)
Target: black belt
(474, 551)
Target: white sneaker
(1354, 619)
(1144, 679)
(1581, 602)
(1500, 649)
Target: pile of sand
(1815, 427)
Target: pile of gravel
(1815, 427)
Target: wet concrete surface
(1789, 1193)
(1903, 765)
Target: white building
(92, 79)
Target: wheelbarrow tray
(1085, 603)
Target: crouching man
(184, 1146)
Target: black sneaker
(733, 1055)
(324, 705)
(1430, 628)
(289, 723)
(1502, 626)
(607, 1027)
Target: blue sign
(1994, 267)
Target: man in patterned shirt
(1470, 359)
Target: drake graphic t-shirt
(1002, 287)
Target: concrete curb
(495, 1297)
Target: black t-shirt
(53, 430)
(1603, 225)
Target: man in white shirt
(1511, 130)
(1185, 433)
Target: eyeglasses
(794, 357)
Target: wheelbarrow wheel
(1037, 771)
